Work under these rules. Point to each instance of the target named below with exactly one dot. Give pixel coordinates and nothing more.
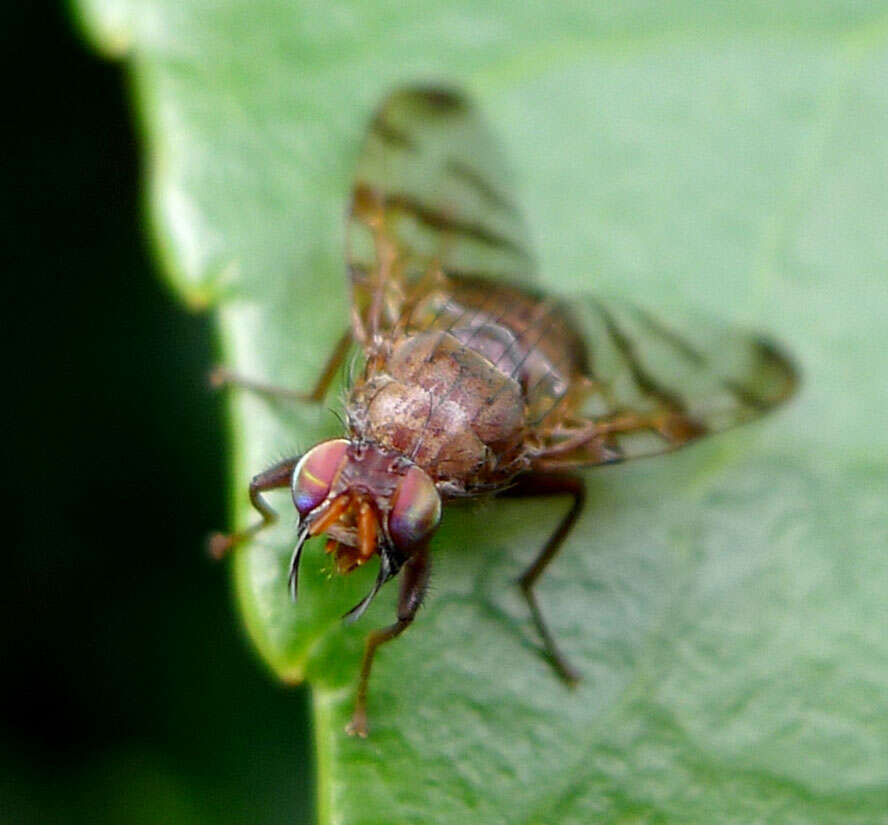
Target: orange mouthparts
(356, 513)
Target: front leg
(415, 578)
(274, 478)
(540, 484)
(221, 376)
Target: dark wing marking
(655, 386)
(429, 202)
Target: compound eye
(416, 510)
(315, 473)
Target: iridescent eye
(315, 473)
(416, 510)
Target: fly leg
(274, 478)
(540, 484)
(415, 578)
(221, 376)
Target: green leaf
(727, 604)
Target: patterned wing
(429, 204)
(652, 386)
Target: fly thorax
(443, 404)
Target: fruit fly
(472, 381)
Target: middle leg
(541, 484)
(222, 376)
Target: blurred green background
(128, 693)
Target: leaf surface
(726, 604)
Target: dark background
(128, 691)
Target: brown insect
(474, 383)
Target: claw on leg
(358, 724)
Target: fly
(474, 382)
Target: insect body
(475, 383)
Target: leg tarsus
(358, 724)
(549, 485)
(557, 659)
(413, 587)
(274, 478)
